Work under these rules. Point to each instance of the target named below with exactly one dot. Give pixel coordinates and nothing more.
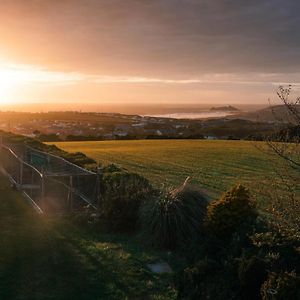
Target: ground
(214, 165)
(51, 258)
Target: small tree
(285, 145)
(235, 211)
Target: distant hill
(224, 108)
(278, 113)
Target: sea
(198, 115)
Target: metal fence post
(71, 199)
(1, 146)
(21, 172)
(98, 186)
(43, 200)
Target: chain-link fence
(53, 184)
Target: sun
(8, 83)
(12, 78)
(5, 94)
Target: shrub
(208, 279)
(252, 273)
(173, 218)
(112, 168)
(235, 211)
(87, 218)
(123, 194)
(285, 285)
(194, 282)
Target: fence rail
(50, 182)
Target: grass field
(215, 165)
(50, 258)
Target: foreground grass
(215, 165)
(42, 258)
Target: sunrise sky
(147, 51)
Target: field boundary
(50, 183)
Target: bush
(123, 194)
(112, 168)
(209, 279)
(173, 218)
(235, 211)
(87, 218)
(194, 282)
(252, 273)
(282, 286)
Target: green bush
(173, 218)
(235, 211)
(123, 194)
(112, 168)
(282, 286)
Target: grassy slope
(216, 165)
(52, 259)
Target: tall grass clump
(174, 217)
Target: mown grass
(50, 258)
(215, 165)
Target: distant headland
(224, 108)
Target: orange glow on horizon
(23, 84)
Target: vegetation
(285, 207)
(241, 266)
(123, 194)
(77, 158)
(284, 285)
(51, 258)
(234, 211)
(231, 248)
(173, 219)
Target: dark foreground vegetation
(52, 258)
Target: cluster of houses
(103, 126)
(118, 127)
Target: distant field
(215, 165)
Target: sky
(147, 51)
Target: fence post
(43, 200)
(71, 199)
(1, 146)
(98, 187)
(21, 172)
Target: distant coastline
(198, 115)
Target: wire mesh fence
(52, 183)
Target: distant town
(76, 126)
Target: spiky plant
(173, 218)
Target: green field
(215, 165)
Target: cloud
(150, 50)
(157, 38)
(28, 74)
